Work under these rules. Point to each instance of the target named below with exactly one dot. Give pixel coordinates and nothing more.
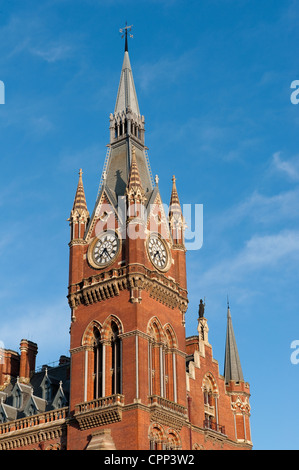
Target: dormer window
(17, 398)
(47, 391)
(2, 417)
(31, 410)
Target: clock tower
(128, 298)
(133, 380)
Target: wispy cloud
(262, 209)
(30, 35)
(165, 69)
(290, 168)
(258, 253)
(53, 53)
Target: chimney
(27, 362)
(9, 366)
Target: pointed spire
(175, 215)
(175, 207)
(80, 205)
(232, 364)
(126, 96)
(134, 189)
(134, 176)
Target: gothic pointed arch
(155, 330)
(209, 383)
(170, 336)
(88, 335)
(110, 323)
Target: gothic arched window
(170, 365)
(97, 354)
(210, 395)
(115, 360)
(154, 361)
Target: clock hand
(105, 249)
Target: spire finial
(124, 32)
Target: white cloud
(29, 34)
(165, 69)
(258, 253)
(289, 167)
(268, 250)
(53, 53)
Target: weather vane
(124, 31)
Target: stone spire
(134, 177)
(126, 131)
(135, 191)
(232, 364)
(80, 206)
(176, 219)
(175, 207)
(79, 214)
(126, 96)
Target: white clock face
(106, 248)
(158, 252)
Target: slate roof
(32, 396)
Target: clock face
(158, 252)
(105, 248)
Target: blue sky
(213, 82)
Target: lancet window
(103, 359)
(162, 361)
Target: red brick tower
(127, 292)
(136, 381)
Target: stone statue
(201, 309)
